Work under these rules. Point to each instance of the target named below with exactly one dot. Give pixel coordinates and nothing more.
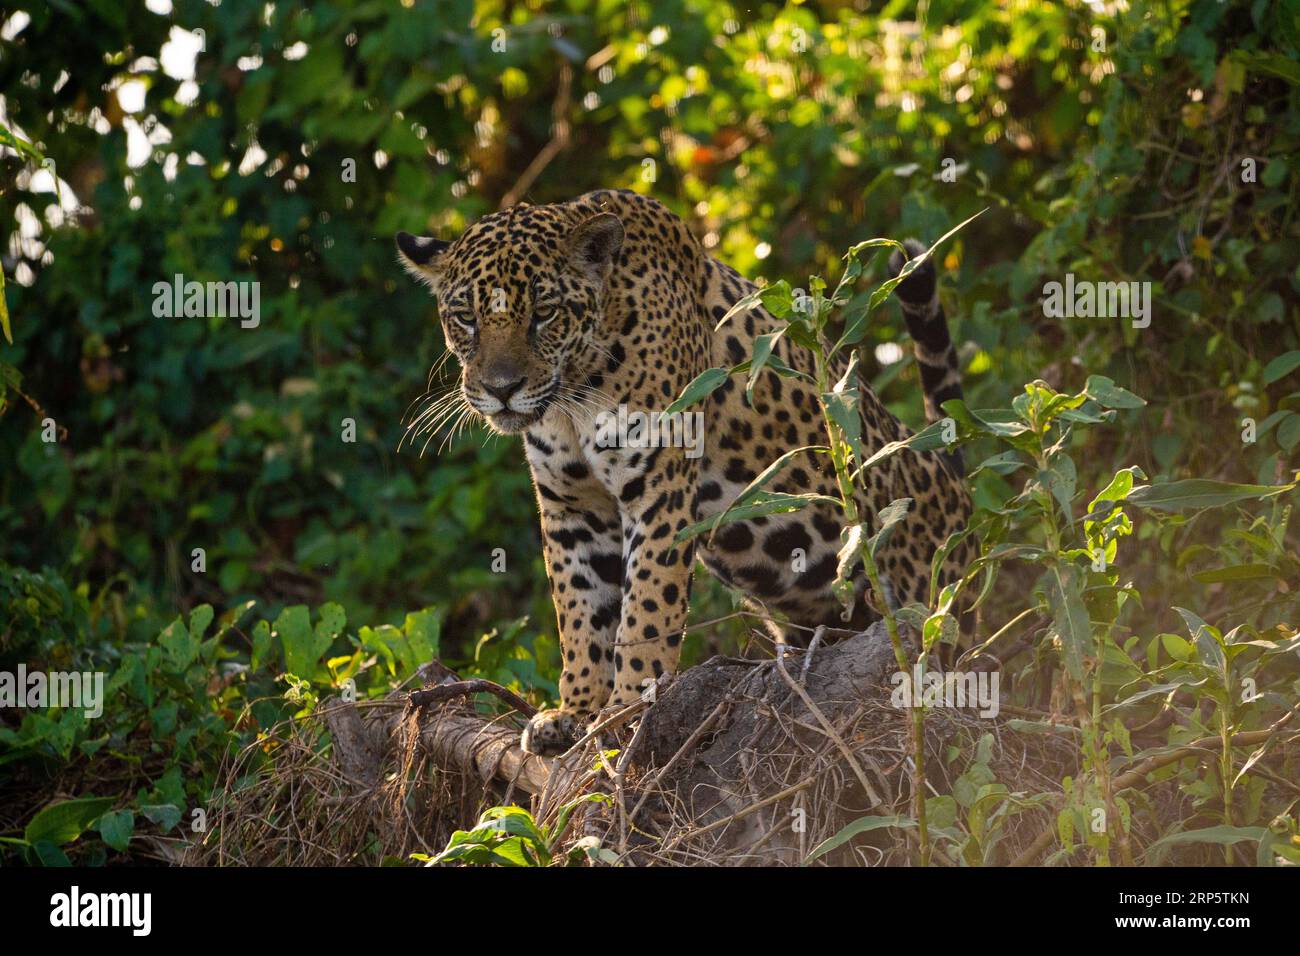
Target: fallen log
(735, 761)
(487, 747)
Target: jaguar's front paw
(551, 732)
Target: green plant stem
(1225, 766)
(839, 452)
(1089, 717)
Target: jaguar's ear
(421, 256)
(593, 244)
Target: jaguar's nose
(502, 391)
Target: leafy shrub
(1101, 670)
(783, 133)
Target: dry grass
(286, 801)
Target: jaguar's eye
(543, 315)
(465, 320)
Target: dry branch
(464, 688)
(558, 142)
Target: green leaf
(116, 828)
(1288, 433)
(10, 376)
(1237, 572)
(1061, 478)
(1156, 690)
(985, 424)
(849, 554)
(63, 822)
(860, 825)
(1209, 643)
(162, 815)
(700, 387)
(303, 646)
(911, 265)
(1200, 493)
(853, 267)
(1179, 648)
(48, 854)
(1117, 491)
(856, 250)
(1003, 463)
(1220, 835)
(557, 830)
(1069, 616)
(929, 438)
(777, 298)
(933, 628)
(1087, 415)
(423, 630)
(1272, 420)
(505, 836)
(1273, 64)
(1105, 392)
(179, 646)
(1281, 366)
(515, 821)
(843, 406)
(769, 503)
(746, 303)
(200, 618)
(1105, 521)
(762, 351)
(754, 487)
(387, 640)
(261, 645)
(886, 519)
(941, 811)
(508, 852)
(331, 623)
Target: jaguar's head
(521, 296)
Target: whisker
(443, 417)
(581, 411)
(423, 395)
(437, 366)
(466, 416)
(433, 433)
(433, 403)
(430, 417)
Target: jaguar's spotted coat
(558, 311)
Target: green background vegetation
(783, 135)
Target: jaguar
(561, 313)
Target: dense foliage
(1136, 141)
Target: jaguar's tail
(918, 294)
